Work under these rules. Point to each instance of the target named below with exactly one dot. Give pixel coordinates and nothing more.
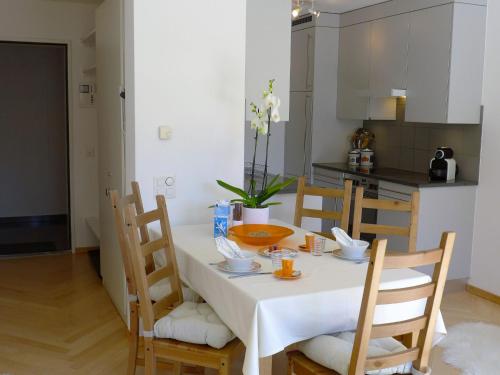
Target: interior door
(109, 59)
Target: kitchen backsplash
(410, 146)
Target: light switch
(165, 185)
(165, 132)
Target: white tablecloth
(268, 314)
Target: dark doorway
(34, 148)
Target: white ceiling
(341, 6)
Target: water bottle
(222, 212)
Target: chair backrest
(151, 311)
(344, 194)
(372, 297)
(411, 207)
(118, 205)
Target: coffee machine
(443, 167)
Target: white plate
(224, 267)
(265, 252)
(339, 254)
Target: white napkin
(342, 237)
(228, 248)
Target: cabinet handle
(308, 63)
(307, 111)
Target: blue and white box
(222, 214)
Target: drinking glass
(319, 246)
(277, 256)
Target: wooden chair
(136, 354)
(418, 331)
(411, 207)
(118, 204)
(342, 216)
(156, 348)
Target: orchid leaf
(233, 189)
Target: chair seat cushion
(334, 352)
(195, 323)
(162, 289)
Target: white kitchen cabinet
(389, 54)
(298, 135)
(388, 64)
(445, 64)
(436, 52)
(267, 52)
(302, 62)
(441, 209)
(354, 72)
(429, 64)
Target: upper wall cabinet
(268, 51)
(445, 64)
(435, 53)
(302, 64)
(389, 55)
(354, 72)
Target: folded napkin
(228, 248)
(342, 237)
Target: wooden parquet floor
(56, 319)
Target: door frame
(70, 125)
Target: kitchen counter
(398, 176)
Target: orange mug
(309, 241)
(286, 267)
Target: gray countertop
(398, 176)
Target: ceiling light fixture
(296, 9)
(299, 6)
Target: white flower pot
(255, 215)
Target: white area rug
(473, 348)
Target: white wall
(41, 20)
(190, 75)
(486, 247)
(268, 39)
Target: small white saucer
(224, 267)
(339, 254)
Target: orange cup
(286, 267)
(309, 241)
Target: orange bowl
(260, 234)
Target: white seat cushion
(334, 352)
(195, 323)
(162, 289)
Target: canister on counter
(367, 157)
(354, 157)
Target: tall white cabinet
(313, 132)
(110, 78)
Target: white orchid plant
(265, 114)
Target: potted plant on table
(255, 200)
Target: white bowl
(356, 251)
(242, 264)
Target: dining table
(269, 314)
